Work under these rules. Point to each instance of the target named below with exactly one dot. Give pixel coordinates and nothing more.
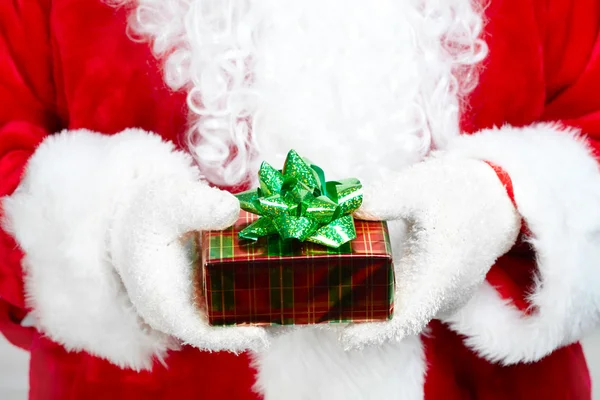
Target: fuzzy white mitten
(460, 220)
(99, 219)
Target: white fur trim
(310, 363)
(60, 216)
(460, 221)
(557, 189)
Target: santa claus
(472, 126)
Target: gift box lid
(224, 246)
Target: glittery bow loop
(298, 203)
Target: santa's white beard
(337, 81)
(360, 87)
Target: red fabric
(69, 64)
(456, 373)
(10, 318)
(512, 276)
(505, 180)
(508, 185)
(191, 374)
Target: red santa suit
(474, 130)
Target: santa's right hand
(148, 254)
(99, 219)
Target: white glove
(150, 258)
(99, 218)
(460, 220)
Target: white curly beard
(359, 87)
(339, 84)
(336, 86)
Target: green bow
(298, 203)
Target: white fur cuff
(60, 216)
(556, 184)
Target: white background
(13, 368)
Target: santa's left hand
(460, 220)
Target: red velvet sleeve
(27, 115)
(543, 65)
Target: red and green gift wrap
(271, 281)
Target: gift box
(273, 281)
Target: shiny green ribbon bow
(298, 203)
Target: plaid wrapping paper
(276, 282)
